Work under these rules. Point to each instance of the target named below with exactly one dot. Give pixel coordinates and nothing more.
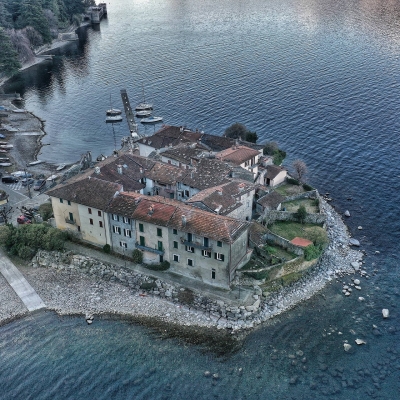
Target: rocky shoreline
(72, 284)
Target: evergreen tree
(32, 14)
(5, 16)
(9, 63)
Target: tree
(5, 213)
(9, 63)
(300, 169)
(270, 148)
(32, 14)
(251, 137)
(236, 131)
(5, 16)
(301, 214)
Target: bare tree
(21, 44)
(300, 169)
(5, 213)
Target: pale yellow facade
(66, 214)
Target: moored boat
(113, 112)
(114, 118)
(35, 162)
(151, 120)
(143, 113)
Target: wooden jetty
(129, 115)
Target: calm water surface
(322, 79)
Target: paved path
(20, 285)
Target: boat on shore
(35, 162)
(6, 146)
(52, 177)
(151, 120)
(114, 118)
(5, 164)
(60, 167)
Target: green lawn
(280, 252)
(309, 204)
(290, 230)
(289, 190)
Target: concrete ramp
(20, 285)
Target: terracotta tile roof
(170, 136)
(168, 212)
(237, 154)
(183, 153)
(207, 173)
(124, 204)
(298, 241)
(271, 200)
(216, 143)
(224, 198)
(155, 212)
(133, 169)
(205, 224)
(273, 171)
(88, 191)
(165, 173)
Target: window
(175, 244)
(127, 233)
(91, 221)
(186, 193)
(115, 217)
(123, 244)
(71, 216)
(189, 237)
(206, 253)
(127, 220)
(142, 241)
(159, 232)
(89, 210)
(219, 243)
(69, 203)
(190, 249)
(219, 257)
(176, 257)
(175, 231)
(100, 224)
(160, 246)
(141, 228)
(61, 201)
(205, 242)
(190, 262)
(248, 204)
(116, 229)
(213, 273)
(99, 213)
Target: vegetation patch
(137, 256)
(310, 205)
(289, 189)
(158, 267)
(290, 230)
(26, 240)
(186, 297)
(148, 285)
(46, 211)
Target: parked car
(9, 179)
(27, 181)
(23, 220)
(21, 174)
(39, 184)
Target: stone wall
(312, 194)
(280, 241)
(272, 215)
(138, 282)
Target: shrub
(251, 137)
(307, 188)
(46, 211)
(137, 256)
(293, 181)
(270, 148)
(270, 250)
(301, 214)
(158, 267)
(311, 252)
(107, 248)
(148, 285)
(257, 275)
(186, 297)
(25, 252)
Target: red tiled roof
(154, 212)
(237, 154)
(298, 241)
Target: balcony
(70, 221)
(150, 249)
(196, 245)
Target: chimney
(141, 170)
(183, 220)
(181, 129)
(151, 210)
(97, 170)
(119, 169)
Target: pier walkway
(129, 114)
(20, 285)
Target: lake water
(321, 78)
